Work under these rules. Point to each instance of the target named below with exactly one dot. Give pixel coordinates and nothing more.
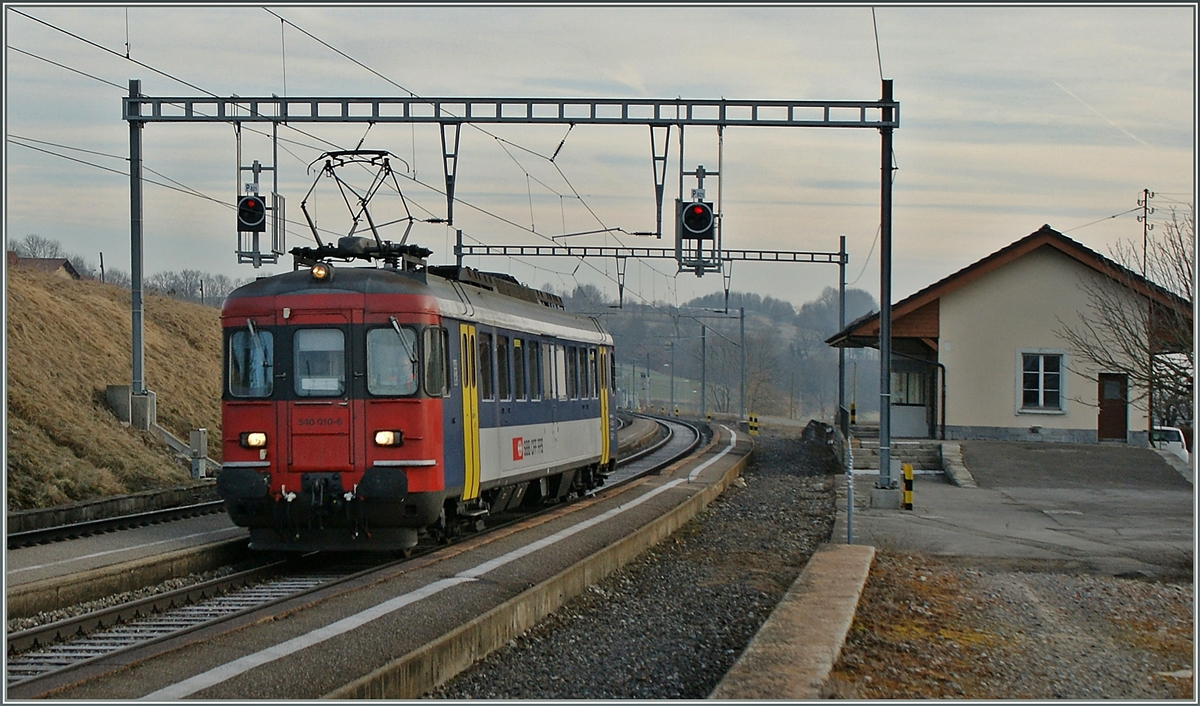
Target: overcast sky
(1011, 117)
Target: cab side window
(251, 363)
(437, 373)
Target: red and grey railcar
(363, 406)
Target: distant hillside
(68, 340)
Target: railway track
(53, 649)
(111, 524)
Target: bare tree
(34, 245)
(117, 276)
(1146, 336)
(82, 265)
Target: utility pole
(649, 404)
(1147, 226)
(843, 415)
(703, 372)
(742, 320)
(885, 296)
(671, 411)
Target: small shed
(57, 265)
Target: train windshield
(251, 363)
(391, 361)
(320, 362)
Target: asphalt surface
(1103, 509)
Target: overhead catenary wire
(185, 189)
(64, 66)
(486, 132)
(114, 53)
(866, 259)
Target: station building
(981, 354)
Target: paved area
(1091, 508)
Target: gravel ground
(47, 617)
(669, 625)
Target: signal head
(698, 219)
(252, 214)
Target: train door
(320, 423)
(601, 369)
(470, 405)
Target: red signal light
(698, 220)
(252, 215)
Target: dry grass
(913, 637)
(66, 342)
(924, 629)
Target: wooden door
(1114, 406)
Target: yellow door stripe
(602, 367)
(470, 402)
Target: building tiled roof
(868, 326)
(43, 264)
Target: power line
(878, 55)
(1101, 220)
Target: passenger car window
(320, 362)
(502, 368)
(485, 367)
(392, 361)
(251, 363)
(518, 369)
(535, 371)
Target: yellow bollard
(908, 483)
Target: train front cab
(333, 423)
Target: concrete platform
(794, 651)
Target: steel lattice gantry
(622, 253)
(579, 111)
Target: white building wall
(985, 324)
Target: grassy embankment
(66, 342)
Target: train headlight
(322, 271)
(389, 438)
(252, 439)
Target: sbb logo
(518, 449)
